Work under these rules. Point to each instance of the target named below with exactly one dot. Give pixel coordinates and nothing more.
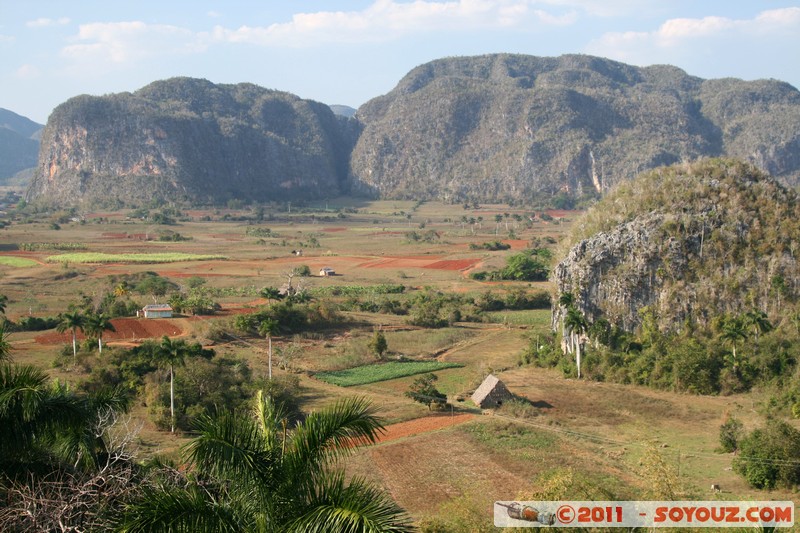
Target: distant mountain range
(19, 144)
(500, 127)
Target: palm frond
(334, 432)
(355, 507)
(231, 446)
(176, 509)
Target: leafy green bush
(768, 457)
(730, 432)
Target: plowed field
(422, 425)
(126, 329)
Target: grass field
(362, 375)
(591, 433)
(17, 262)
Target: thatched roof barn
(491, 393)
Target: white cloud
(47, 22)
(388, 19)
(124, 42)
(27, 72)
(684, 36)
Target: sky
(347, 52)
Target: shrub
(768, 456)
(729, 434)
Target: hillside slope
(19, 143)
(514, 127)
(691, 242)
(191, 140)
(508, 128)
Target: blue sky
(346, 52)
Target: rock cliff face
(190, 140)
(688, 242)
(511, 127)
(490, 128)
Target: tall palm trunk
(172, 399)
(74, 348)
(269, 358)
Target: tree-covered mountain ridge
(189, 140)
(500, 127)
(686, 243)
(19, 144)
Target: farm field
(442, 466)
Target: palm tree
(270, 293)
(171, 354)
(734, 330)
(45, 424)
(73, 321)
(759, 321)
(576, 325)
(95, 325)
(3, 304)
(250, 472)
(268, 328)
(121, 289)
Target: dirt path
(422, 425)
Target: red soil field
(126, 330)
(422, 425)
(452, 264)
(400, 262)
(517, 244)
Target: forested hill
(190, 140)
(19, 143)
(501, 127)
(511, 127)
(688, 243)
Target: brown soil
(400, 262)
(126, 330)
(333, 230)
(426, 472)
(453, 264)
(517, 244)
(423, 425)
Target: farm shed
(157, 311)
(491, 393)
(327, 271)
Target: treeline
(436, 309)
(735, 354)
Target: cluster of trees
(767, 456)
(736, 352)
(62, 469)
(531, 265)
(491, 246)
(436, 309)
(66, 459)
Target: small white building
(327, 271)
(157, 311)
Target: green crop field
(361, 375)
(18, 262)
